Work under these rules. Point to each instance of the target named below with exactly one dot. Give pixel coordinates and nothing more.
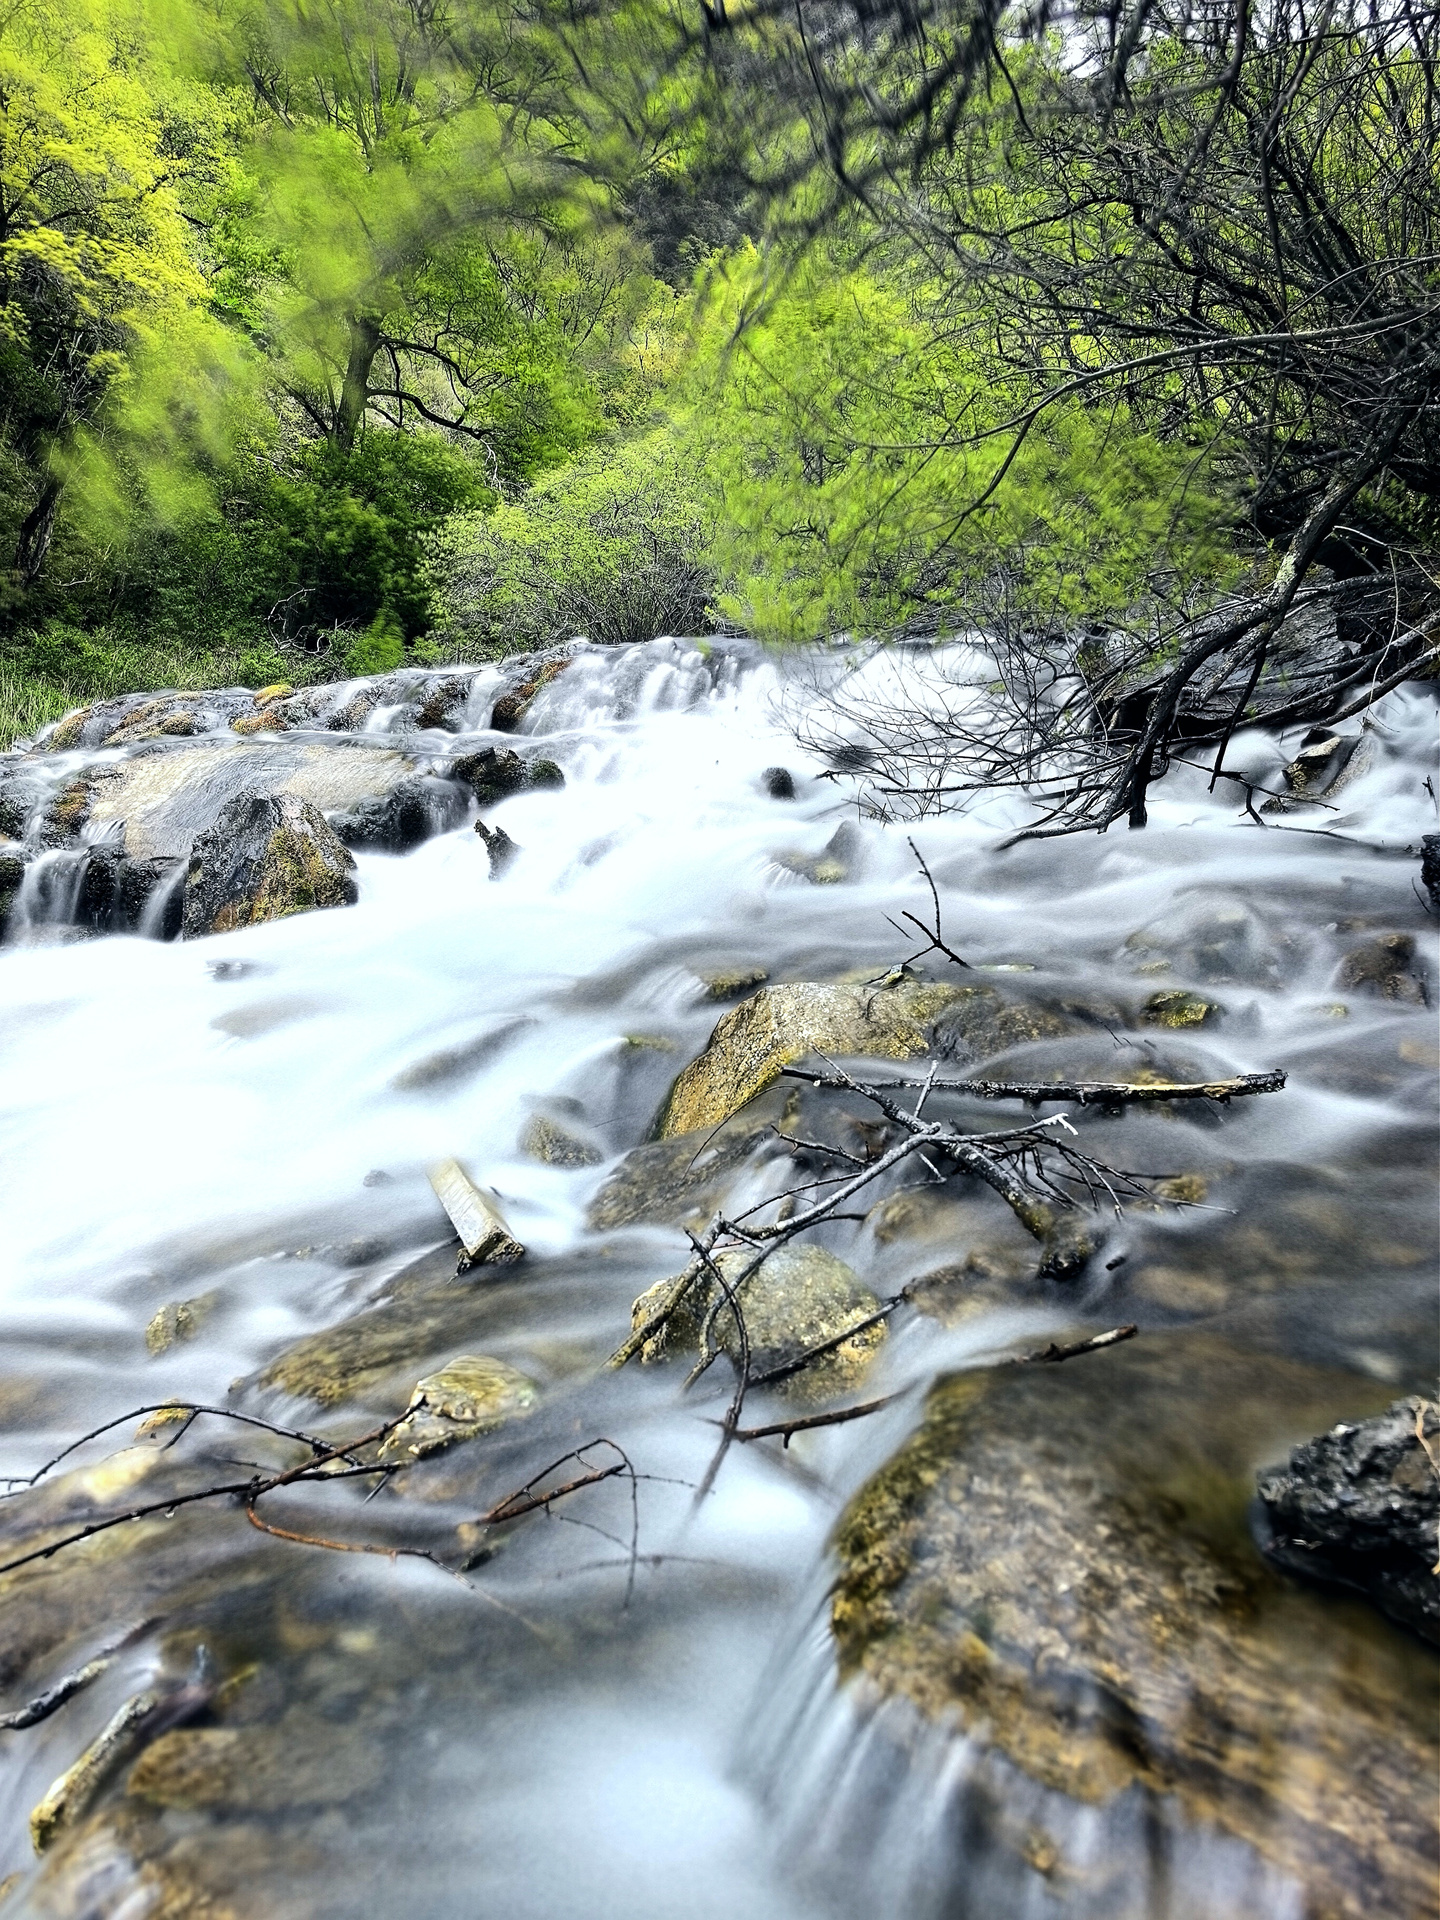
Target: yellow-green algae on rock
(781, 1024)
(1057, 1564)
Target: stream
(595, 1724)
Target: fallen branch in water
(1084, 1093)
(934, 936)
(784, 1428)
(1048, 1356)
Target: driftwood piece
(485, 1239)
(1081, 1093)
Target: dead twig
(1048, 1356)
(784, 1428)
(1083, 1093)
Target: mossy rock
(266, 857)
(781, 1024)
(300, 1761)
(1177, 1008)
(800, 1298)
(469, 1395)
(1057, 1567)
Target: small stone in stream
(469, 1395)
(1430, 867)
(800, 1298)
(729, 983)
(779, 783)
(835, 862)
(181, 1320)
(485, 1240)
(677, 1182)
(544, 773)
(1360, 1507)
(1385, 966)
(266, 857)
(12, 874)
(378, 1177)
(500, 847)
(989, 1277)
(1177, 1008)
(545, 1139)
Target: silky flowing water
(248, 1120)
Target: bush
(615, 547)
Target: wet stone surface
(1057, 1563)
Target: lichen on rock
(469, 1395)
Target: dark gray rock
(1386, 966)
(1430, 866)
(267, 856)
(12, 872)
(500, 847)
(1360, 1507)
(413, 810)
(492, 774)
(779, 783)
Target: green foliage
(837, 429)
(614, 547)
(379, 649)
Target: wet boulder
(468, 1396)
(779, 783)
(781, 1024)
(1360, 1507)
(494, 773)
(800, 1298)
(981, 1022)
(1052, 1589)
(267, 856)
(1178, 1009)
(115, 892)
(162, 796)
(416, 808)
(1430, 867)
(12, 875)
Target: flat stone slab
(166, 797)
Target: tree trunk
(355, 394)
(36, 531)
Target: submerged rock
(728, 983)
(163, 796)
(1179, 1009)
(1360, 1506)
(782, 1024)
(469, 1395)
(546, 1140)
(256, 1769)
(800, 1298)
(1056, 1570)
(836, 860)
(266, 857)
(676, 1182)
(511, 708)
(1386, 966)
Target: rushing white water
(210, 1117)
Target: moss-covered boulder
(800, 1298)
(1057, 1568)
(267, 856)
(782, 1024)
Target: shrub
(615, 547)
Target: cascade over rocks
(266, 856)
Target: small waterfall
(47, 905)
